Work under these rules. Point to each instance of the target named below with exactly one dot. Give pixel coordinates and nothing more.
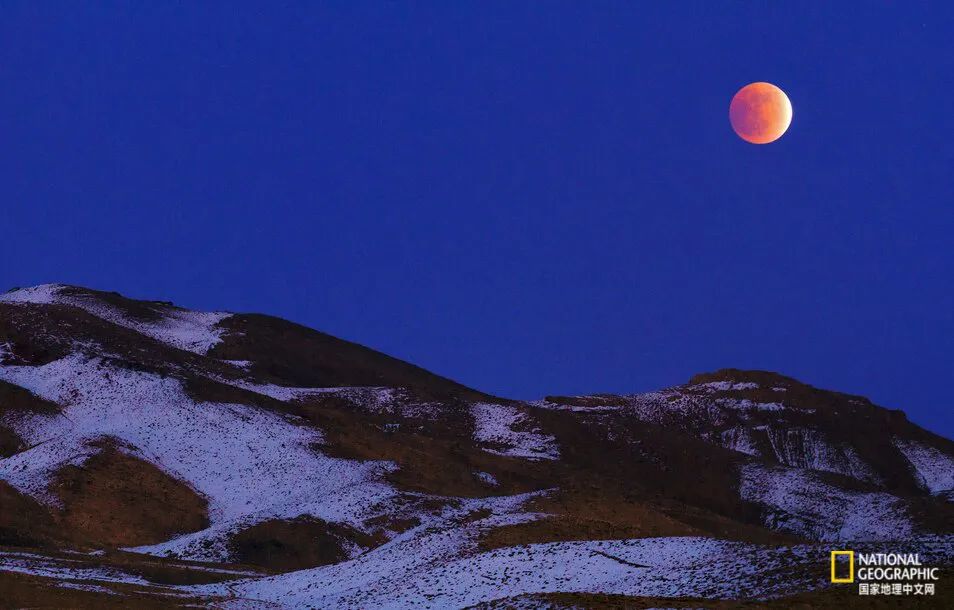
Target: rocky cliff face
(337, 476)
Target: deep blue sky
(530, 198)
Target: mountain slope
(360, 480)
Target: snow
(88, 575)
(245, 365)
(807, 448)
(37, 565)
(194, 331)
(506, 430)
(739, 439)
(729, 422)
(90, 588)
(596, 408)
(798, 501)
(727, 386)
(31, 471)
(662, 407)
(251, 464)
(487, 478)
(44, 294)
(522, 602)
(278, 392)
(746, 404)
(379, 400)
(672, 406)
(440, 570)
(349, 505)
(436, 566)
(392, 566)
(934, 469)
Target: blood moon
(760, 113)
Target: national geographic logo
(884, 573)
(846, 567)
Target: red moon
(760, 113)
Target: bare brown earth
(33, 334)
(591, 517)
(297, 544)
(581, 514)
(289, 353)
(693, 484)
(145, 311)
(24, 521)
(42, 334)
(437, 457)
(116, 499)
(702, 474)
(599, 489)
(10, 442)
(24, 591)
(28, 591)
(14, 399)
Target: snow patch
(245, 365)
(739, 439)
(43, 294)
(31, 471)
(746, 405)
(440, 570)
(193, 331)
(378, 400)
(251, 464)
(596, 408)
(798, 501)
(807, 448)
(727, 386)
(506, 430)
(48, 567)
(487, 478)
(91, 588)
(933, 468)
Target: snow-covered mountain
(138, 439)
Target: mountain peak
(762, 378)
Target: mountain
(153, 456)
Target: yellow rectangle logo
(851, 566)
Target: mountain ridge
(151, 309)
(326, 464)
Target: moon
(760, 113)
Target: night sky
(530, 198)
